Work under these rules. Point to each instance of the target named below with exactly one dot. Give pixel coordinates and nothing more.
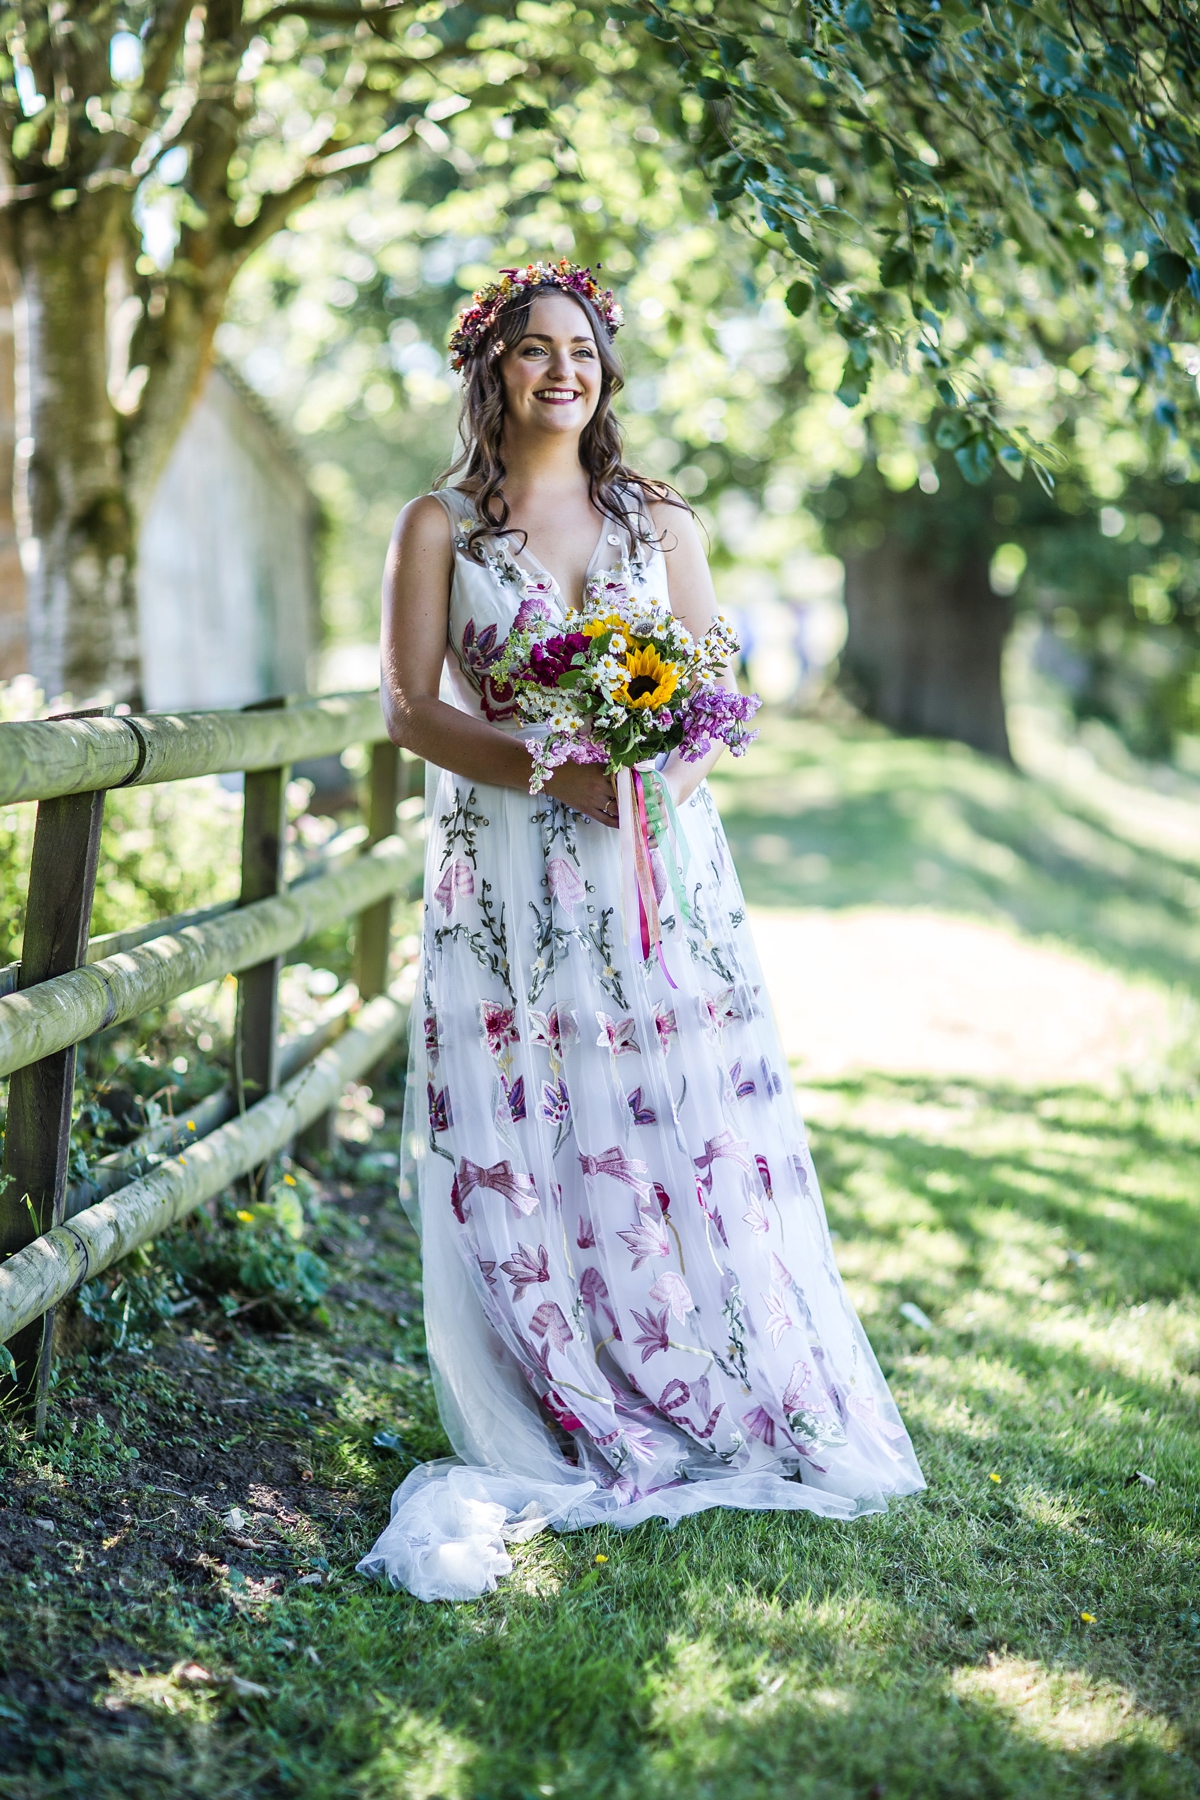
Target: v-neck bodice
(488, 588)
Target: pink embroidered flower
(664, 1025)
(565, 883)
(757, 1217)
(585, 1237)
(718, 1010)
(672, 1291)
(525, 1269)
(616, 1035)
(431, 1038)
(653, 1335)
(440, 1115)
(458, 883)
(555, 1030)
(646, 1239)
(499, 1025)
(779, 1320)
(558, 1409)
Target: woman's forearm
(452, 739)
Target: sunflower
(649, 681)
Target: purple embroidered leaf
(549, 1322)
(641, 1444)
(771, 1082)
(764, 1173)
(642, 1114)
(703, 1397)
(440, 1118)
(743, 1088)
(653, 1335)
(802, 1176)
(616, 1035)
(458, 1201)
(514, 1093)
(585, 1237)
(779, 1321)
(672, 1291)
(760, 1424)
(525, 1269)
(488, 1271)
(646, 1239)
(458, 883)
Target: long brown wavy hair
(616, 491)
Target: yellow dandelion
(1088, 1618)
(649, 681)
(289, 1181)
(601, 1559)
(247, 1218)
(993, 1478)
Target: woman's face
(552, 374)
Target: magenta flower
(653, 1335)
(525, 1269)
(499, 1025)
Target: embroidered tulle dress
(631, 1300)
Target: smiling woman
(631, 1302)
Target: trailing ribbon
(646, 817)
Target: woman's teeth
(557, 394)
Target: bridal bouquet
(626, 684)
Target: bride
(631, 1301)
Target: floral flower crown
(476, 320)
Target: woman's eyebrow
(543, 337)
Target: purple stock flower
(714, 715)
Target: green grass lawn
(1028, 1627)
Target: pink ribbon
(639, 902)
(518, 1190)
(618, 1167)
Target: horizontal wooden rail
(170, 1136)
(342, 850)
(42, 759)
(69, 1008)
(52, 1266)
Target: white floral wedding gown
(631, 1300)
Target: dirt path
(922, 992)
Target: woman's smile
(558, 396)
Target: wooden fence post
(375, 924)
(264, 836)
(37, 1139)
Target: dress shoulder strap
(455, 503)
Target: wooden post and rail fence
(67, 986)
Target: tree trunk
(925, 640)
(79, 536)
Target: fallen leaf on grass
(45, 1524)
(316, 1579)
(243, 1543)
(312, 1656)
(1140, 1479)
(198, 1677)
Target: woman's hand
(586, 789)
